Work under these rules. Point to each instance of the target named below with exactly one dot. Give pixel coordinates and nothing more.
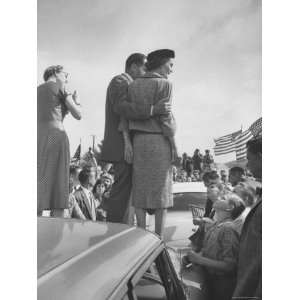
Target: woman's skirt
(53, 160)
(152, 172)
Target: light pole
(93, 136)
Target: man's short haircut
(135, 58)
(237, 170)
(213, 175)
(210, 175)
(84, 175)
(255, 146)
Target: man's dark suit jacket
(117, 106)
(249, 278)
(83, 206)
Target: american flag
(253, 131)
(77, 153)
(226, 143)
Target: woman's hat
(161, 54)
(156, 58)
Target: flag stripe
(241, 140)
(224, 152)
(228, 136)
(218, 149)
(226, 144)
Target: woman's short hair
(236, 202)
(51, 71)
(158, 58)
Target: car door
(156, 279)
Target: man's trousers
(120, 193)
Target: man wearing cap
(116, 107)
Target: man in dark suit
(84, 206)
(249, 280)
(116, 107)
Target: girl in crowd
(220, 248)
(54, 101)
(154, 146)
(98, 191)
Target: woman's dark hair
(51, 71)
(135, 58)
(99, 181)
(158, 58)
(156, 63)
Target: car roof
(189, 187)
(88, 260)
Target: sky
(217, 69)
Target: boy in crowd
(223, 176)
(214, 189)
(236, 175)
(219, 254)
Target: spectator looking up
(219, 254)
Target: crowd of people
(139, 141)
(193, 167)
(228, 240)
